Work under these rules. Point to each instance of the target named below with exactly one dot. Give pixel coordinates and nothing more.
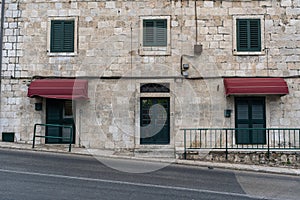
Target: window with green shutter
(62, 36)
(248, 34)
(155, 32)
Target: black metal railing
(269, 139)
(69, 139)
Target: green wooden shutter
(155, 32)
(248, 35)
(148, 33)
(56, 36)
(161, 33)
(62, 36)
(68, 44)
(255, 42)
(242, 35)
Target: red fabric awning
(59, 88)
(255, 86)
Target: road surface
(30, 175)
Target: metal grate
(8, 136)
(155, 88)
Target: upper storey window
(62, 36)
(155, 32)
(155, 35)
(248, 35)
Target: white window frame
(262, 35)
(145, 51)
(49, 53)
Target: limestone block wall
(17, 110)
(108, 45)
(286, 159)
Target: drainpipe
(1, 46)
(17, 33)
(196, 20)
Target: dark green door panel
(55, 110)
(250, 113)
(155, 121)
(53, 116)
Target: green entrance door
(59, 112)
(155, 121)
(250, 113)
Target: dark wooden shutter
(148, 33)
(254, 26)
(242, 35)
(161, 33)
(155, 32)
(56, 36)
(62, 36)
(54, 114)
(248, 35)
(68, 44)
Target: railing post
(268, 144)
(226, 145)
(33, 140)
(184, 144)
(71, 138)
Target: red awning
(255, 86)
(59, 88)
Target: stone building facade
(125, 74)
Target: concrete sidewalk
(109, 154)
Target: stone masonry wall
(108, 38)
(287, 159)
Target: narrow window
(62, 36)
(248, 35)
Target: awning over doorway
(59, 88)
(255, 86)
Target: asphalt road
(28, 175)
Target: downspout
(1, 45)
(17, 33)
(196, 21)
(197, 51)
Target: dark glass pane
(242, 135)
(257, 111)
(242, 111)
(258, 136)
(68, 108)
(155, 126)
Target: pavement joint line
(133, 184)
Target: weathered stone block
(286, 3)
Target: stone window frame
(75, 53)
(154, 51)
(262, 35)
